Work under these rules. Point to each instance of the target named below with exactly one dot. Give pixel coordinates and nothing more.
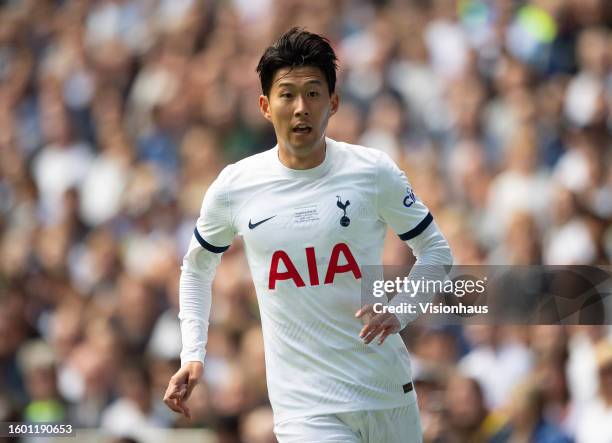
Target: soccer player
(311, 212)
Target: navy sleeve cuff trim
(208, 246)
(418, 229)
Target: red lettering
(312, 266)
(334, 268)
(290, 274)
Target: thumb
(367, 309)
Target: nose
(301, 108)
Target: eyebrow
(286, 83)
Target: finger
(386, 331)
(180, 378)
(179, 393)
(171, 392)
(367, 329)
(174, 391)
(179, 405)
(168, 394)
(367, 309)
(389, 327)
(379, 324)
(373, 323)
(372, 334)
(172, 404)
(191, 383)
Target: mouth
(302, 128)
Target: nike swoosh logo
(254, 225)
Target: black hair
(296, 48)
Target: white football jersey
(306, 235)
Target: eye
(285, 95)
(313, 94)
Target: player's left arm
(410, 218)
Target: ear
(264, 107)
(335, 103)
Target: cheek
(278, 119)
(282, 116)
(325, 114)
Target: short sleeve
(397, 204)
(214, 229)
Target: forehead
(298, 76)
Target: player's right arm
(211, 237)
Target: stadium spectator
(116, 115)
(596, 423)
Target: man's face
(299, 107)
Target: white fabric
(103, 187)
(510, 362)
(572, 170)
(570, 244)
(197, 274)
(581, 367)
(166, 337)
(581, 98)
(512, 192)
(595, 426)
(124, 418)
(315, 361)
(448, 48)
(56, 169)
(382, 426)
(432, 252)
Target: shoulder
(361, 158)
(254, 161)
(248, 168)
(358, 153)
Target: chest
(297, 214)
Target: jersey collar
(316, 172)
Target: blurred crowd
(116, 115)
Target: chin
(302, 146)
(305, 142)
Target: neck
(311, 160)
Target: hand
(181, 385)
(385, 323)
